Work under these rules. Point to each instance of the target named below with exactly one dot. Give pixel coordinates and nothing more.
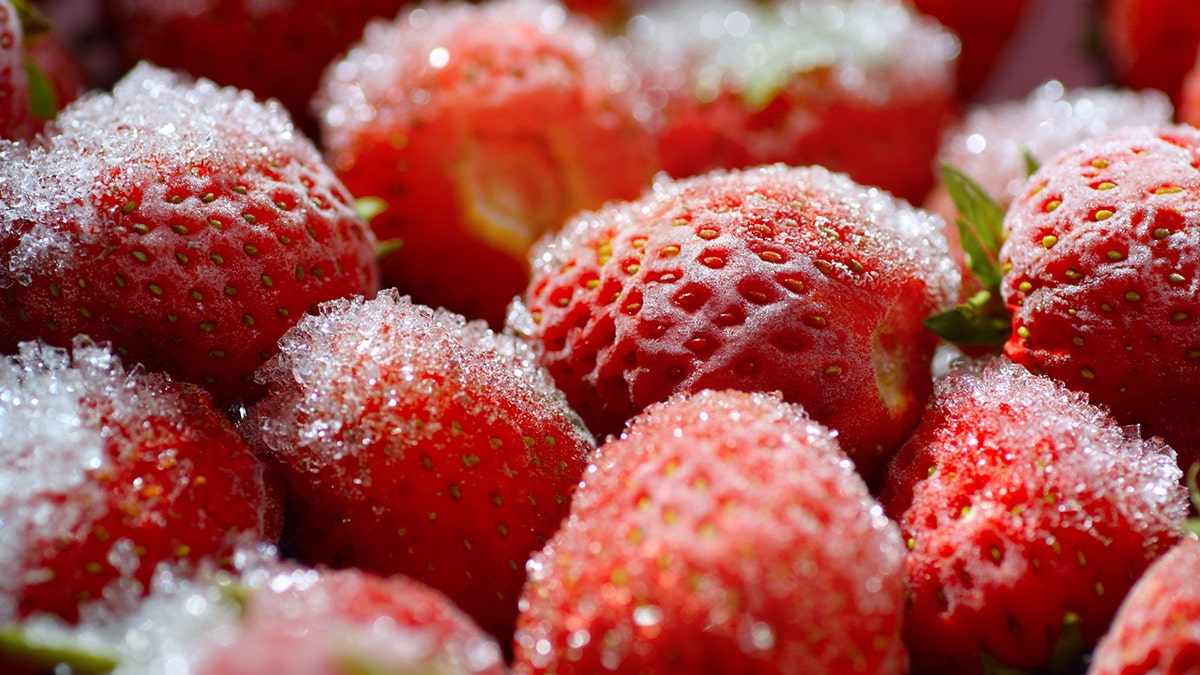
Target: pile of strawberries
(517, 336)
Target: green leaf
(981, 320)
(43, 101)
(16, 644)
(33, 23)
(387, 247)
(980, 225)
(1031, 163)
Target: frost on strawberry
(105, 472)
(860, 86)
(481, 127)
(186, 224)
(416, 442)
(724, 532)
(265, 616)
(1102, 277)
(1157, 629)
(774, 278)
(1027, 512)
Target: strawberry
(1157, 628)
(1028, 514)
(275, 49)
(840, 83)
(265, 616)
(16, 119)
(774, 278)
(188, 225)
(984, 27)
(481, 127)
(332, 622)
(724, 532)
(1151, 43)
(107, 471)
(415, 442)
(1101, 277)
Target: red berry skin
(168, 480)
(768, 279)
(983, 27)
(724, 532)
(1103, 281)
(331, 622)
(1151, 44)
(488, 126)
(1020, 503)
(274, 49)
(16, 120)
(413, 442)
(1157, 629)
(188, 225)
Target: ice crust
(52, 441)
(872, 48)
(154, 122)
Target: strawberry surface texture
(723, 532)
(415, 442)
(189, 225)
(773, 278)
(1102, 276)
(1026, 511)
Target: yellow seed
(1024, 287)
(1100, 163)
(1103, 214)
(1133, 296)
(1049, 240)
(1052, 205)
(1115, 255)
(1073, 275)
(1023, 332)
(1087, 373)
(1106, 185)
(1168, 190)
(1077, 340)
(1161, 233)
(1176, 278)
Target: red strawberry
(984, 27)
(269, 617)
(106, 472)
(768, 279)
(16, 120)
(724, 532)
(188, 225)
(318, 622)
(1102, 277)
(275, 49)
(415, 442)
(864, 87)
(1157, 629)
(1151, 43)
(1024, 508)
(481, 128)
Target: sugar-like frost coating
(723, 531)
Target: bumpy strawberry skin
(415, 442)
(125, 470)
(768, 279)
(1102, 280)
(1023, 507)
(188, 225)
(1157, 629)
(700, 541)
(489, 125)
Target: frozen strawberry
(16, 119)
(187, 224)
(107, 471)
(724, 532)
(1151, 43)
(984, 28)
(774, 278)
(266, 617)
(1157, 629)
(416, 442)
(1101, 277)
(860, 86)
(276, 49)
(1028, 514)
(481, 127)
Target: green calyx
(18, 645)
(981, 320)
